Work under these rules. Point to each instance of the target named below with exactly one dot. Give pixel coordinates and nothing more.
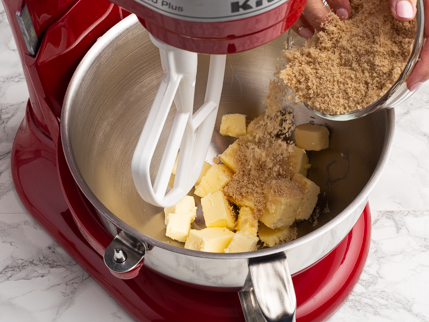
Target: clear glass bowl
(398, 93)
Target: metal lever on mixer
(190, 132)
(268, 294)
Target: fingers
(342, 8)
(315, 13)
(420, 73)
(303, 28)
(403, 10)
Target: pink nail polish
(305, 33)
(415, 86)
(342, 13)
(404, 9)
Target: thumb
(403, 10)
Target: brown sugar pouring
(355, 67)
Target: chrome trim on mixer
(110, 227)
(119, 256)
(124, 253)
(268, 293)
(28, 32)
(249, 303)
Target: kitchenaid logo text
(238, 6)
(167, 5)
(211, 10)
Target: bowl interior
(113, 92)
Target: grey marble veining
(13, 97)
(40, 282)
(394, 284)
(404, 184)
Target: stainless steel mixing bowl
(105, 108)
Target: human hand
(315, 13)
(406, 10)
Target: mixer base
(43, 183)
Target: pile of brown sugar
(351, 63)
(263, 156)
(263, 169)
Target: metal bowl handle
(125, 255)
(268, 293)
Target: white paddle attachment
(191, 133)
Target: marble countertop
(40, 282)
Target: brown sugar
(351, 63)
(263, 154)
(263, 165)
(275, 121)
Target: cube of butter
(185, 206)
(272, 237)
(213, 240)
(175, 165)
(215, 179)
(233, 125)
(217, 212)
(246, 222)
(229, 156)
(311, 191)
(245, 202)
(205, 168)
(312, 137)
(171, 181)
(281, 210)
(178, 226)
(241, 243)
(263, 125)
(299, 160)
(251, 128)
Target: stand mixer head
(215, 27)
(180, 29)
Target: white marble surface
(40, 282)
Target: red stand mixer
(52, 38)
